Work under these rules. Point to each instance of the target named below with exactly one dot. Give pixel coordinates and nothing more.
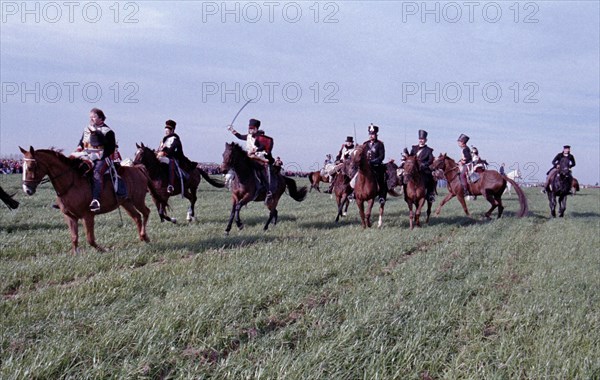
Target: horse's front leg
(231, 216)
(380, 221)
(428, 212)
(370, 203)
(74, 230)
(562, 206)
(552, 201)
(361, 212)
(444, 201)
(411, 215)
(418, 212)
(88, 223)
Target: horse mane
(72, 162)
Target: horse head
(40, 163)
(232, 155)
(145, 156)
(359, 158)
(439, 163)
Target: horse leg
(192, 197)
(361, 212)
(340, 203)
(444, 201)
(552, 201)
(562, 205)
(88, 223)
(411, 215)
(428, 212)
(380, 222)
(141, 208)
(140, 219)
(74, 230)
(418, 212)
(461, 199)
(369, 209)
(490, 198)
(231, 216)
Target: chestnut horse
(8, 200)
(415, 191)
(315, 178)
(75, 193)
(245, 188)
(158, 171)
(342, 188)
(491, 184)
(365, 188)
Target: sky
(522, 79)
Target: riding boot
(170, 188)
(271, 183)
(97, 185)
(381, 183)
(551, 173)
(463, 181)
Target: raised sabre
(238, 113)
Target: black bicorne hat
(170, 124)
(463, 138)
(422, 134)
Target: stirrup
(170, 189)
(95, 205)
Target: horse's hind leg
(231, 216)
(490, 198)
(562, 206)
(140, 220)
(191, 216)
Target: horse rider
(344, 153)
(170, 151)
(478, 162)
(376, 154)
(565, 157)
(465, 160)
(502, 169)
(258, 149)
(425, 156)
(97, 144)
(278, 163)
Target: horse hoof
(241, 227)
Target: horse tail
(156, 196)
(295, 193)
(205, 175)
(522, 198)
(8, 200)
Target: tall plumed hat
(373, 129)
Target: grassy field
(460, 298)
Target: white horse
(514, 175)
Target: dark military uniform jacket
(425, 156)
(559, 157)
(375, 152)
(466, 156)
(173, 148)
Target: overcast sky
(520, 78)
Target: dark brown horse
(8, 199)
(75, 193)
(415, 191)
(342, 189)
(365, 188)
(560, 187)
(159, 174)
(575, 186)
(245, 188)
(491, 184)
(315, 178)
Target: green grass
(460, 298)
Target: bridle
(34, 183)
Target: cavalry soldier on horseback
(344, 153)
(478, 162)
(465, 160)
(425, 156)
(97, 145)
(565, 157)
(259, 147)
(376, 154)
(170, 152)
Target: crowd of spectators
(10, 166)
